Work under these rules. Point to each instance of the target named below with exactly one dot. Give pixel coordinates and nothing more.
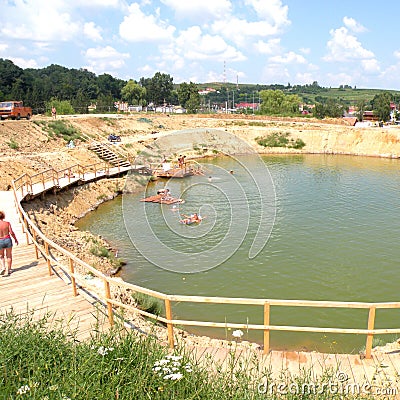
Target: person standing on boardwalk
(6, 233)
(54, 112)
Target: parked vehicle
(14, 110)
(114, 138)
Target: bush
(280, 139)
(63, 129)
(100, 251)
(148, 303)
(12, 144)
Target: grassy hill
(310, 94)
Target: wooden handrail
(34, 233)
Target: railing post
(43, 182)
(73, 281)
(34, 243)
(26, 230)
(109, 305)
(370, 336)
(22, 220)
(267, 311)
(46, 248)
(170, 326)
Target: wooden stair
(107, 154)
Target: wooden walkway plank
(30, 289)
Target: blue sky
(251, 41)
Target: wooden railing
(51, 178)
(44, 246)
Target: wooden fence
(44, 246)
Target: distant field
(245, 92)
(351, 95)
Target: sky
(335, 43)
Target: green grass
(12, 144)
(62, 129)
(39, 360)
(145, 120)
(100, 251)
(109, 121)
(280, 139)
(148, 303)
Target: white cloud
(288, 58)
(196, 46)
(305, 78)
(396, 53)
(191, 46)
(337, 79)
(271, 11)
(199, 10)
(36, 20)
(353, 25)
(370, 65)
(275, 73)
(270, 47)
(23, 63)
(103, 59)
(305, 50)
(3, 47)
(146, 69)
(240, 30)
(344, 46)
(271, 20)
(92, 31)
(139, 27)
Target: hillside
(29, 146)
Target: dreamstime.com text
(334, 387)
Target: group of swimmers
(188, 219)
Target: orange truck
(14, 110)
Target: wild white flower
(237, 334)
(171, 368)
(188, 367)
(23, 389)
(103, 351)
(174, 377)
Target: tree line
(74, 90)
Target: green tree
(81, 102)
(104, 103)
(133, 93)
(63, 107)
(361, 107)
(159, 88)
(331, 108)
(275, 102)
(381, 105)
(188, 96)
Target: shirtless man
(6, 233)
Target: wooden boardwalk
(30, 288)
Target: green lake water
(334, 227)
